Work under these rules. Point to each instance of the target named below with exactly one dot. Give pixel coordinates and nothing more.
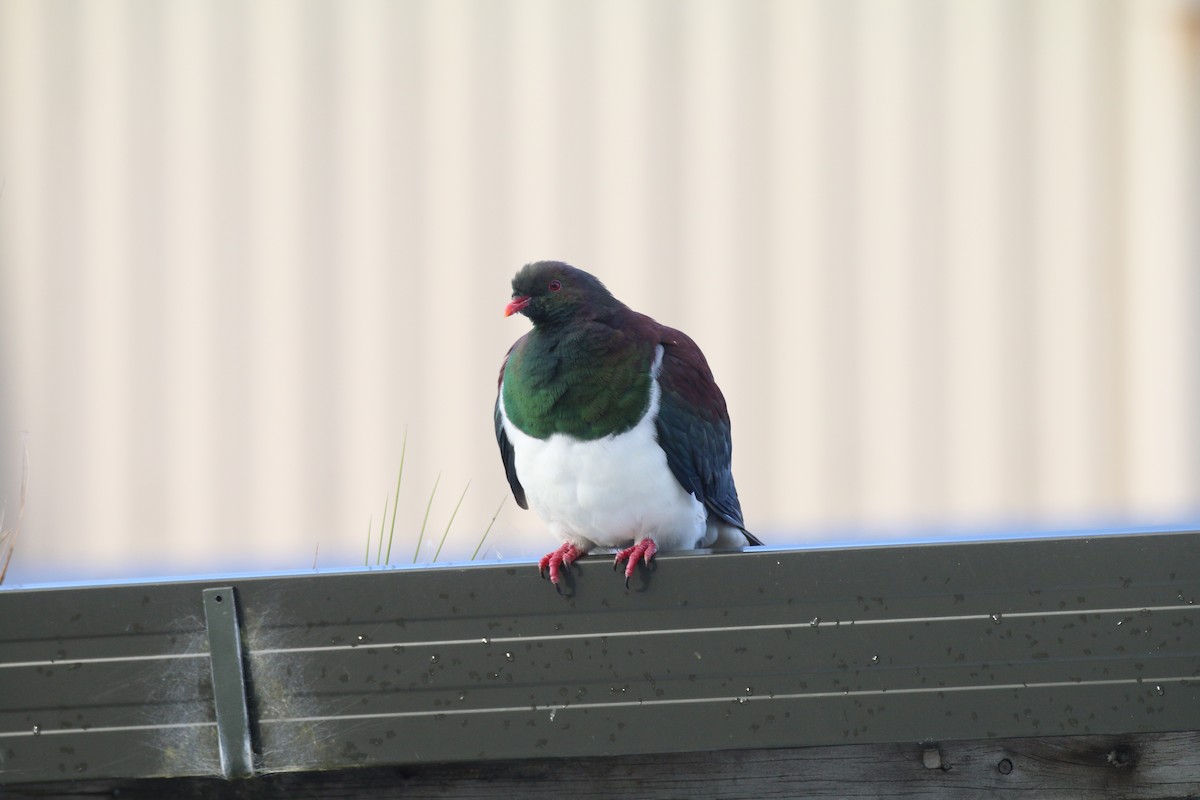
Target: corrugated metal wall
(941, 256)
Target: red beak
(516, 305)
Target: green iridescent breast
(582, 384)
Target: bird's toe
(552, 564)
(640, 551)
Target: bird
(611, 427)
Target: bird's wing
(507, 454)
(693, 429)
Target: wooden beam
(1145, 766)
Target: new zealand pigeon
(611, 426)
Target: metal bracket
(229, 682)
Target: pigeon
(611, 427)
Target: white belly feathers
(611, 491)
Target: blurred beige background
(941, 255)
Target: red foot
(644, 550)
(559, 560)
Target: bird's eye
(555, 286)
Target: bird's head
(551, 291)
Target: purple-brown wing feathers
(693, 428)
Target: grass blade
(446, 532)
(488, 530)
(367, 555)
(396, 502)
(382, 522)
(10, 536)
(428, 506)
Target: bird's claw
(554, 562)
(641, 551)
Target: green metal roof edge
(763, 648)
